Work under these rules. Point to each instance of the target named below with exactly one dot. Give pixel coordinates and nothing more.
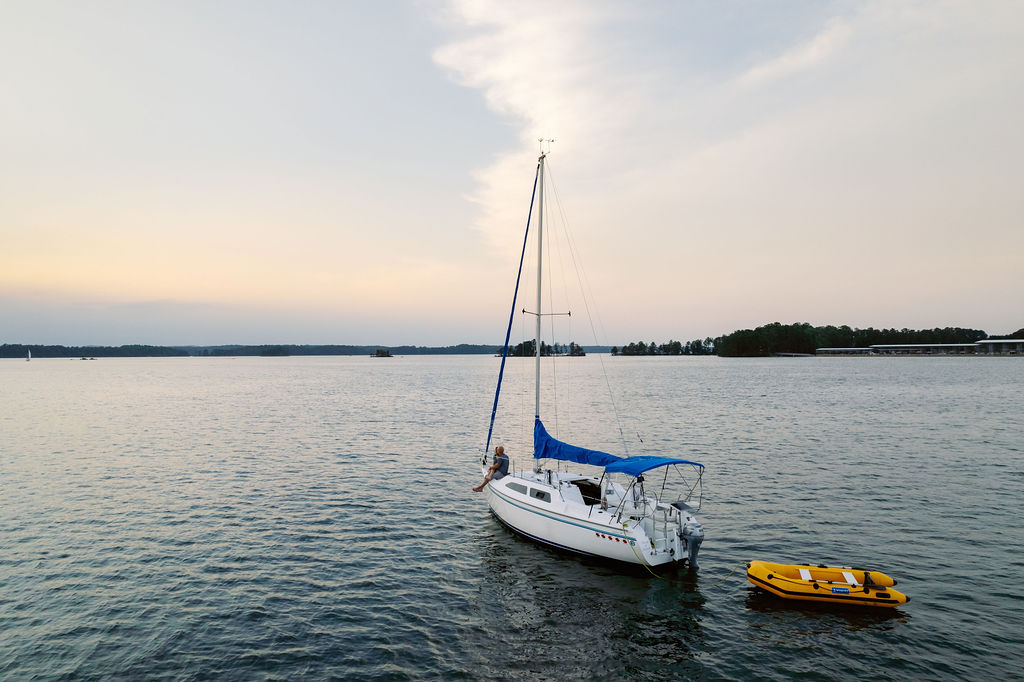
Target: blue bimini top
(634, 466)
(546, 447)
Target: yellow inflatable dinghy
(833, 584)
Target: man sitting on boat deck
(497, 470)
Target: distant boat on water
(28, 358)
(382, 353)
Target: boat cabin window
(541, 495)
(518, 487)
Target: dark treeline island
(776, 338)
(695, 347)
(770, 339)
(802, 338)
(528, 348)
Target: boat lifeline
(635, 510)
(832, 584)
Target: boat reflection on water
(554, 605)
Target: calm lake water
(283, 518)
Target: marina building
(987, 347)
(1001, 347)
(843, 351)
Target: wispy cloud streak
(833, 155)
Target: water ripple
(311, 518)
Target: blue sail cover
(634, 466)
(546, 447)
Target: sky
(247, 171)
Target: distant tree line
(237, 350)
(527, 349)
(803, 338)
(695, 347)
(17, 350)
(572, 348)
(765, 340)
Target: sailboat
(28, 358)
(621, 508)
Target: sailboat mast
(540, 269)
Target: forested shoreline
(17, 350)
(695, 347)
(769, 339)
(804, 339)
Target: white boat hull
(585, 529)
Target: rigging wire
(586, 292)
(556, 246)
(551, 319)
(525, 407)
(512, 312)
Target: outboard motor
(693, 534)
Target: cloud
(546, 69)
(814, 53)
(763, 174)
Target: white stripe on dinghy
(849, 578)
(805, 574)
